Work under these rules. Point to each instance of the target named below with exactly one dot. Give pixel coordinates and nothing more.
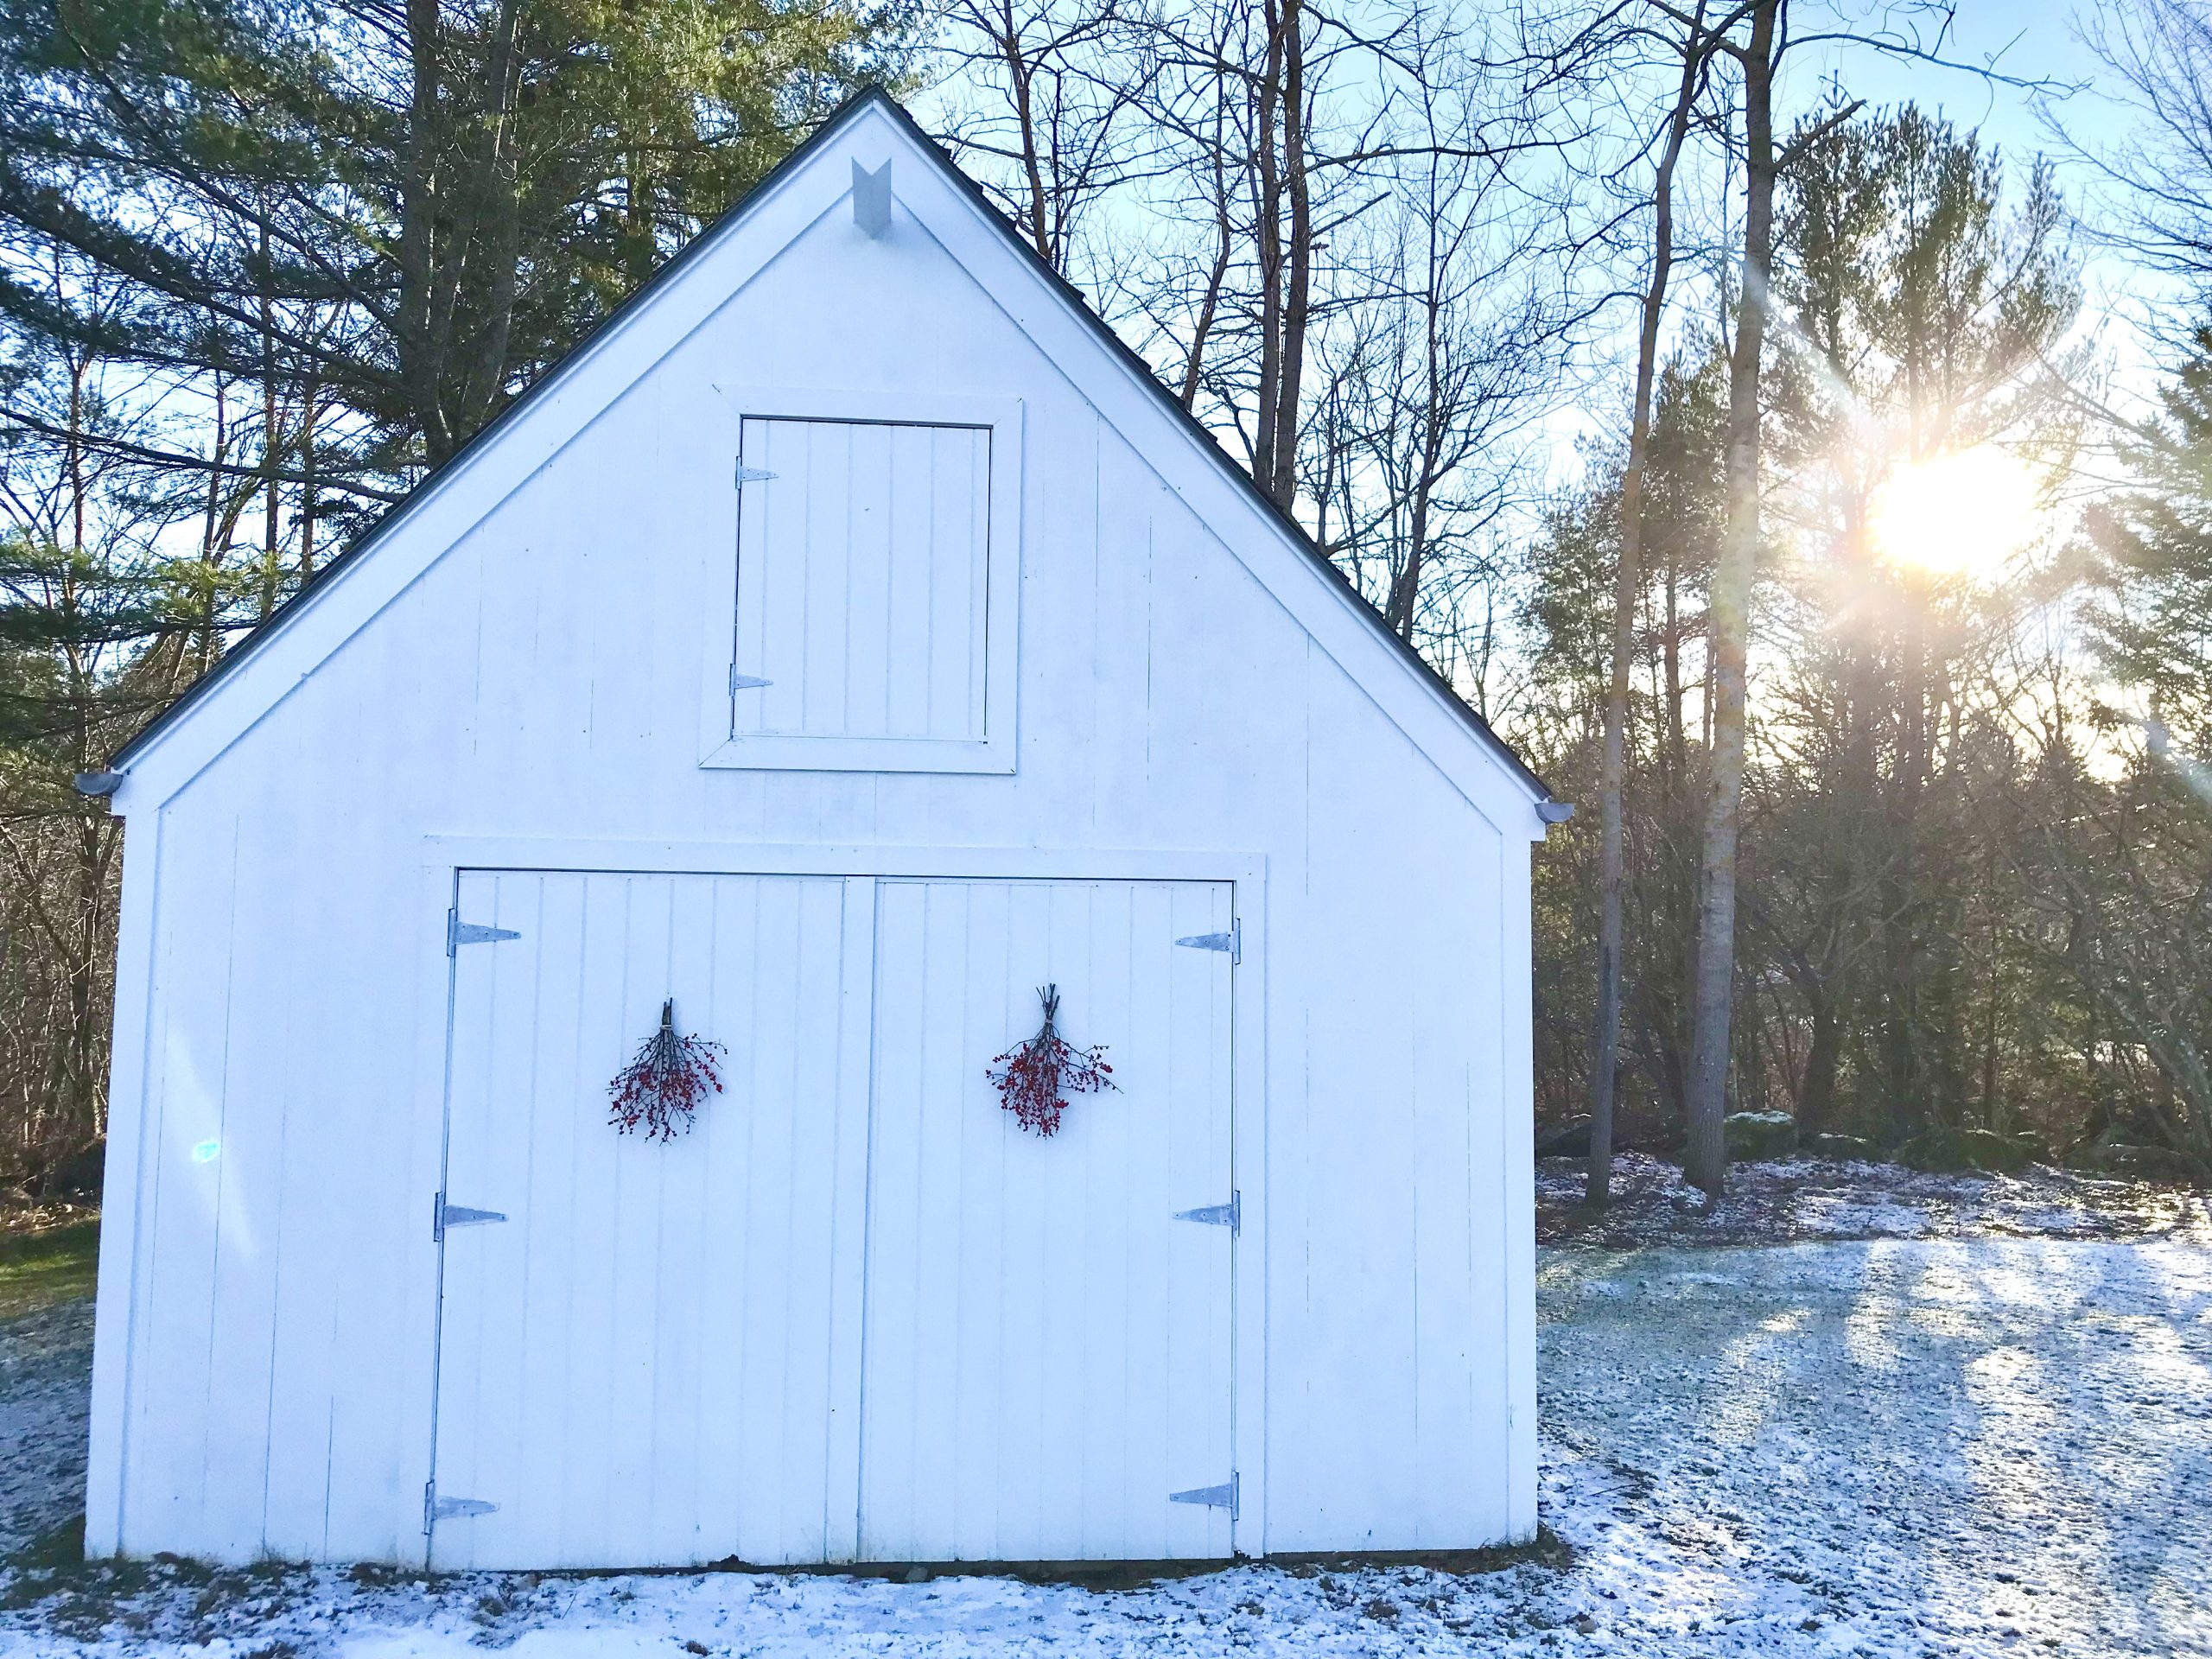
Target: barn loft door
(637, 1362)
(862, 583)
(1047, 1359)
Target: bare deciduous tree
(1697, 44)
(1729, 606)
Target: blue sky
(2028, 40)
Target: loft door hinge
(753, 475)
(437, 1509)
(444, 1215)
(459, 932)
(1223, 1497)
(1229, 1215)
(745, 682)
(1233, 942)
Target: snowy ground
(1884, 1447)
(1787, 1198)
(45, 1367)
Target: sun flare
(1963, 514)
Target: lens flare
(1958, 515)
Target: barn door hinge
(745, 682)
(1223, 1497)
(444, 1215)
(1233, 942)
(437, 1509)
(1229, 1215)
(753, 475)
(459, 932)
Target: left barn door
(652, 1358)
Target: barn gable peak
(870, 160)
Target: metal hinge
(444, 1215)
(1233, 942)
(1229, 1215)
(745, 682)
(459, 932)
(753, 475)
(1214, 1497)
(437, 1509)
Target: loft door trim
(730, 683)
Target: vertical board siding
(862, 579)
(541, 679)
(635, 1365)
(1387, 1317)
(1046, 1353)
(172, 1411)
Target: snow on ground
(1885, 1448)
(1785, 1199)
(1927, 1446)
(46, 1363)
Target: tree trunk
(1730, 631)
(271, 436)
(1268, 238)
(1210, 297)
(307, 394)
(1404, 604)
(1298, 295)
(1628, 582)
(418, 214)
(1017, 70)
(1816, 1100)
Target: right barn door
(1047, 1349)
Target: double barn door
(856, 1313)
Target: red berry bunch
(1035, 1078)
(667, 1081)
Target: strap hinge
(459, 932)
(1229, 1215)
(444, 1215)
(1233, 942)
(437, 1509)
(1223, 1497)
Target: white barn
(847, 639)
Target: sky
(2015, 71)
(2026, 39)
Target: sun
(1957, 514)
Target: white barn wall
(541, 680)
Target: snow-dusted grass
(1888, 1447)
(46, 1364)
(1986, 1446)
(1778, 1200)
(39, 1266)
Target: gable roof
(869, 98)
